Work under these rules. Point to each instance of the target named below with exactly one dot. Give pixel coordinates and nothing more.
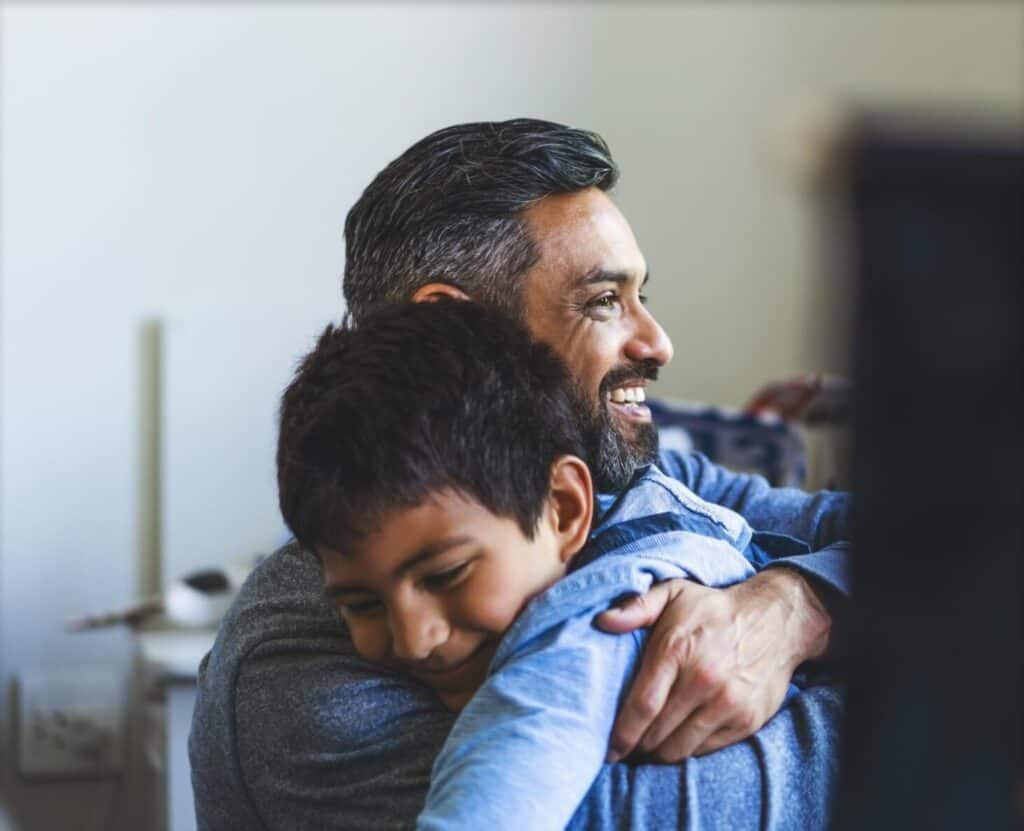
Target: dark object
(934, 730)
(212, 581)
(132, 616)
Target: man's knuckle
(677, 647)
(647, 705)
(729, 699)
(736, 695)
(706, 677)
(701, 725)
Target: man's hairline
(518, 311)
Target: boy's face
(434, 589)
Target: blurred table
(168, 661)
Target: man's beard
(615, 453)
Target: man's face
(584, 298)
(432, 591)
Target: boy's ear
(572, 504)
(435, 291)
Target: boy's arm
(533, 738)
(530, 743)
(528, 752)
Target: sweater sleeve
(783, 778)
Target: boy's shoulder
(657, 529)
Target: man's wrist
(808, 622)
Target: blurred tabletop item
(196, 600)
(812, 398)
(171, 653)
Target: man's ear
(572, 504)
(435, 291)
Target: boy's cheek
(371, 641)
(495, 600)
(492, 610)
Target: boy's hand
(718, 662)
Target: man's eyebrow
(603, 275)
(426, 553)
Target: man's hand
(718, 662)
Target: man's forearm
(818, 519)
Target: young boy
(434, 459)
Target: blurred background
(175, 177)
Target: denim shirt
(527, 747)
(808, 532)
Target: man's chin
(623, 448)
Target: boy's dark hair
(418, 399)
(449, 210)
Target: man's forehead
(580, 235)
(589, 212)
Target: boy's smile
(456, 682)
(432, 591)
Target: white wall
(162, 160)
(692, 99)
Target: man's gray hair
(449, 210)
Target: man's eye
(603, 303)
(447, 578)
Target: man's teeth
(628, 395)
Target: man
(292, 730)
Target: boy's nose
(416, 631)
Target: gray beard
(614, 457)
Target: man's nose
(417, 629)
(648, 342)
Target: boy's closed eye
(448, 577)
(368, 604)
(358, 605)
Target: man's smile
(627, 403)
